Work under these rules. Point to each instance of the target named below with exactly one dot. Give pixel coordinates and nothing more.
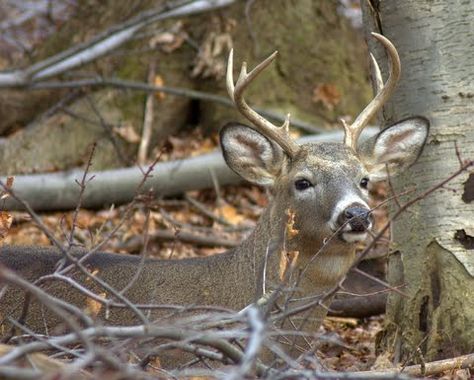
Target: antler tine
(378, 81)
(230, 75)
(280, 135)
(353, 131)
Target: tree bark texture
(435, 238)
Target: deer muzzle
(354, 222)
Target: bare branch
(103, 44)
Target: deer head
(324, 184)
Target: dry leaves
(8, 185)
(36, 360)
(354, 348)
(128, 133)
(6, 220)
(288, 260)
(93, 307)
(170, 40)
(159, 81)
(327, 94)
(194, 145)
(291, 231)
(230, 214)
(211, 59)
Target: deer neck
(321, 265)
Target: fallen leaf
(353, 322)
(170, 40)
(230, 214)
(127, 132)
(39, 361)
(8, 185)
(291, 231)
(328, 94)
(288, 260)
(162, 38)
(10, 182)
(93, 307)
(158, 81)
(155, 363)
(6, 220)
(93, 272)
(211, 59)
(383, 361)
(205, 146)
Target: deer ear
(396, 147)
(250, 154)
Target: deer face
(328, 191)
(324, 184)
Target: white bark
(435, 40)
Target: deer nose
(358, 218)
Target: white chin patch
(354, 237)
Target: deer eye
(302, 184)
(364, 182)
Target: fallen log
(60, 191)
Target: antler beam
(353, 131)
(281, 134)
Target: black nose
(357, 217)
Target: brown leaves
(327, 94)
(288, 259)
(212, 56)
(6, 218)
(170, 40)
(159, 81)
(5, 224)
(8, 185)
(37, 360)
(193, 145)
(230, 214)
(353, 348)
(291, 232)
(128, 133)
(93, 307)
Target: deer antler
(353, 131)
(280, 135)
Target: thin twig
(204, 210)
(176, 91)
(148, 118)
(82, 185)
(108, 131)
(135, 243)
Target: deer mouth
(355, 233)
(353, 236)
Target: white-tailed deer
(324, 185)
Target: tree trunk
(434, 239)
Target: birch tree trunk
(435, 239)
